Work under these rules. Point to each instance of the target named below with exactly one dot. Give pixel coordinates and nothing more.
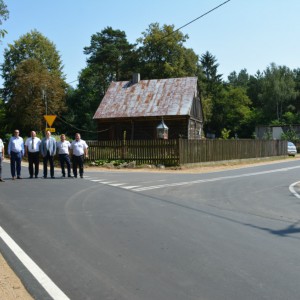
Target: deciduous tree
(84, 100)
(4, 14)
(162, 54)
(36, 92)
(31, 45)
(32, 68)
(232, 111)
(278, 89)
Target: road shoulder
(11, 287)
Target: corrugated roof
(156, 97)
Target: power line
(71, 125)
(72, 81)
(208, 12)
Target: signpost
(50, 120)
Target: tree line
(34, 82)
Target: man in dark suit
(48, 150)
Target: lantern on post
(162, 130)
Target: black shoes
(75, 176)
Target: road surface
(115, 235)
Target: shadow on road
(285, 232)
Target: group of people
(48, 148)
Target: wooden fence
(142, 151)
(194, 151)
(180, 151)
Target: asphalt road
(142, 236)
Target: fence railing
(180, 151)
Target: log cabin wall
(146, 129)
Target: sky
(241, 34)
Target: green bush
(102, 162)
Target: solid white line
(33, 268)
(292, 190)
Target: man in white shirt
(32, 150)
(1, 158)
(15, 152)
(63, 148)
(79, 150)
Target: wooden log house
(133, 110)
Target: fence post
(179, 149)
(123, 146)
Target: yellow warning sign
(50, 119)
(50, 129)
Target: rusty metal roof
(156, 97)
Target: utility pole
(46, 104)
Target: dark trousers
(78, 162)
(15, 163)
(33, 159)
(49, 158)
(1, 158)
(65, 158)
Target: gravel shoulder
(201, 167)
(11, 287)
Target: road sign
(50, 129)
(50, 119)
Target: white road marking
(139, 188)
(292, 190)
(213, 179)
(97, 180)
(130, 187)
(153, 181)
(33, 268)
